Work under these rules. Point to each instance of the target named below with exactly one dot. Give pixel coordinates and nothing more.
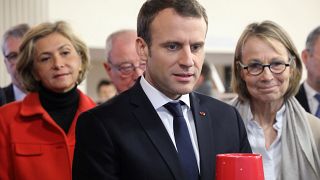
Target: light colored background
(94, 20)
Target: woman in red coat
(37, 135)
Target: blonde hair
(267, 30)
(27, 51)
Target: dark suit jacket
(6, 95)
(302, 98)
(125, 139)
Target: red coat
(32, 145)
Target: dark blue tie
(317, 96)
(183, 142)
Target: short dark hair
(102, 83)
(150, 9)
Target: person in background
(37, 134)
(160, 129)
(11, 41)
(266, 74)
(123, 64)
(205, 82)
(105, 91)
(309, 92)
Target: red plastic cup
(239, 166)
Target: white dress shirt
(271, 157)
(18, 94)
(158, 99)
(312, 101)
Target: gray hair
(17, 31)
(312, 38)
(111, 37)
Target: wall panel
(13, 12)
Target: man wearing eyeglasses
(123, 64)
(11, 42)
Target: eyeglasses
(11, 57)
(128, 68)
(276, 67)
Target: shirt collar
(157, 98)
(310, 92)
(279, 117)
(18, 94)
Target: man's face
(124, 66)
(312, 63)
(11, 50)
(175, 58)
(106, 92)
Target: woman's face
(56, 63)
(267, 86)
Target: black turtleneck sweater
(62, 107)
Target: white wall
(228, 18)
(95, 19)
(13, 12)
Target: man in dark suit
(137, 135)
(11, 42)
(311, 58)
(6, 94)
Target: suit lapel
(154, 128)
(204, 135)
(9, 94)
(6, 95)
(302, 98)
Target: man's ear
(107, 67)
(304, 56)
(142, 49)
